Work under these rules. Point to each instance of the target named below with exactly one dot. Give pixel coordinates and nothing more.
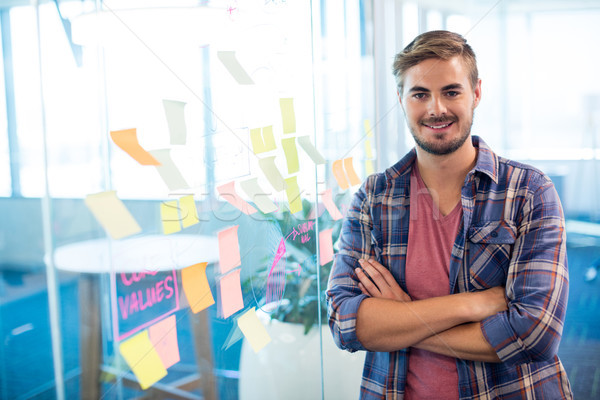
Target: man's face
(438, 102)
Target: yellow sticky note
(369, 169)
(227, 192)
(293, 194)
(231, 293)
(291, 154)
(254, 331)
(230, 61)
(311, 150)
(196, 287)
(169, 214)
(229, 249)
(333, 210)
(368, 149)
(174, 110)
(163, 336)
(142, 358)
(189, 213)
(288, 116)
(350, 173)
(127, 140)
(339, 175)
(262, 139)
(112, 214)
(268, 167)
(325, 246)
(368, 129)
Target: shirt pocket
(489, 253)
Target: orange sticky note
(325, 246)
(163, 336)
(196, 287)
(288, 116)
(253, 330)
(127, 140)
(227, 191)
(231, 293)
(142, 358)
(229, 249)
(339, 175)
(327, 198)
(352, 177)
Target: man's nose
(436, 106)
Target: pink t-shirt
(430, 239)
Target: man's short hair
(435, 44)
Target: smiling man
(452, 269)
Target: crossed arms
(388, 320)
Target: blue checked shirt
(512, 234)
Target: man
(452, 268)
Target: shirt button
(494, 234)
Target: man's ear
(477, 94)
(399, 96)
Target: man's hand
(377, 281)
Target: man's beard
(440, 149)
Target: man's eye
(452, 93)
(419, 96)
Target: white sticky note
(168, 171)
(311, 150)
(268, 167)
(112, 214)
(175, 113)
(258, 196)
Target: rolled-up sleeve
(343, 294)
(536, 286)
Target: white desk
(91, 258)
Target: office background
(75, 71)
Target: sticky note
(169, 214)
(227, 191)
(325, 246)
(311, 150)
(262, 139)
(327, 198)
(168, 171)
(369, 169)
(258, 196)
(268, 167)
(291, 154)
(127, 140)
(350, 173)
(188, 210)
(142, 358)
(254, 331)
(163, 336)
(368, 129)
(234, 336)
(292, 192)
(229, 249)
(339, 175)
(231, 293)
(111, 213)
(196, 287)
(175, 113)
(230, 61)
(288, 116)
(368, 149)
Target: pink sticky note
(325, 246)
(227, 191)
(231, 293)
(330, 205)
(229, 249)
(163, 336)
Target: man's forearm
(464, 341)
(389, 325)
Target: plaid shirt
(512, 234)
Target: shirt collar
(487, 161)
